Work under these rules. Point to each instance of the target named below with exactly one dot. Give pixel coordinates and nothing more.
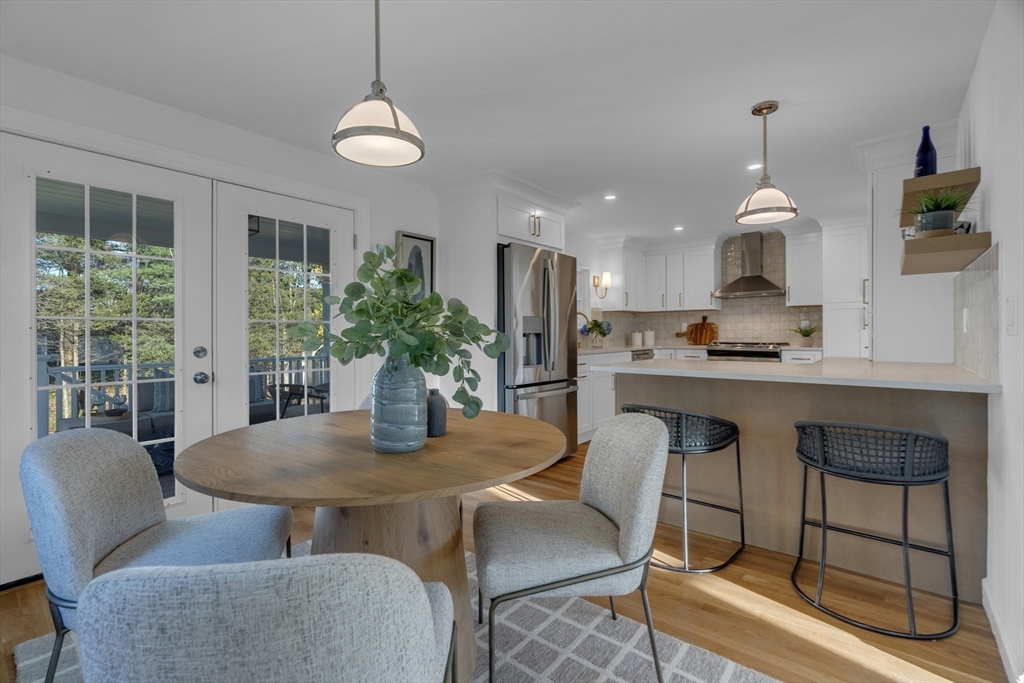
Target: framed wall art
(418, 253)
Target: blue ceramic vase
(398, 410)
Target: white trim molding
(900, 148)
(1013, 661)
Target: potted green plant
(936, 211)
(805, 334)
(413, 336)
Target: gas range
(757, 352)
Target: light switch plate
(1011, 315)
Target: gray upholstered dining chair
(95, 506)
(599, 545)
(345, 617)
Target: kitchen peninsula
(765, 399)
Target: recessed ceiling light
(753, 167)
(678, 228)
(609, 196)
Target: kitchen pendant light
(767, 204)
(375, 132)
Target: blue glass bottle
(926, 157)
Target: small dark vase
(437, 413)
(926, 160)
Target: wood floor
(747, 612)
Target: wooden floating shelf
(949, 254)
(965, 179)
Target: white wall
(992, 137)
(109, 121)
(910, 312)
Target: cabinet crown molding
(499, 181)
(900, 148)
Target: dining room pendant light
(767, 204)
(375, 132)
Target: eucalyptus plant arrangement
(387, 321)
(944, 199)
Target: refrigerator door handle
(548, 314)
(546, 394)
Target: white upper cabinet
(700, 279)
(526, 222)
(655, 295)
(631, 279)
(803, 270)
(674, 281)
(846, 261)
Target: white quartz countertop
(854, 372)
(583, 351)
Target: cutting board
(700, 334)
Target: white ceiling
(649, 101)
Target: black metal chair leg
(824, 532)
(288, 546)
(60, 630)
(650, 624)
(906, 563)
(490, 639)
(954, 593)
(686, 522)
(611, 599)
(739, 487)
(479, 607)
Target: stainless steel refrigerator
(537, 310)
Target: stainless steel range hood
(750, 283)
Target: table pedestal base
(426, 535)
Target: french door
(107, 289)
(277, 258)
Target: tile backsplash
(766, 319)
(977, 290)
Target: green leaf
(457, 308)
(332, 300)
(369, 257)
(356, 290)
(408, 338)
(457, 373)
(471, 410)
(464, 353)
(397, 349)
(311, 344)
(502, 341)
(492, 350)
(461, 396)
(365, 272)
(472, 383)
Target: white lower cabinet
(595, 402)
(798, 356)
(846, 332)
(687, 354)
(584, 419)
(664, 354)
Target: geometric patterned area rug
(546, 640)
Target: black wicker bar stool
(877, 455)
(694, 434)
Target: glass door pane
(105, 318)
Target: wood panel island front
(765, 399)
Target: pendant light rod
(376, 21)
(764, 147)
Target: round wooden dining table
(403, 505)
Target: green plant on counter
(945, 199)
(805, 331)
(387, 321)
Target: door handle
(663, 301)
(546, 394)
(201, 378)
(680, 299)
(789, 293)
(540, 229)
(864, 315)
(627, 298)
(864, 291)
(533, 226)
(711, 298)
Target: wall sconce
(605, 281)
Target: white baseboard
(1008, 651)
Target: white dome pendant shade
(767, 204)
(375, 132)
